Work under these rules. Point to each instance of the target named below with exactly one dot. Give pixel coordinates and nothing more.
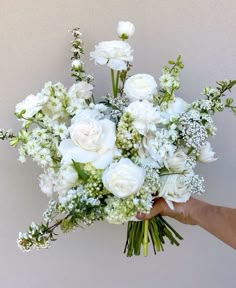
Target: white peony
(91, 141)
(146, 117)
(173, 188)
(31, 105)
(140, 87)
(207, 154)
(177, 162)
(125, 29)
(81, 90)
(123, 178)
(115, 54)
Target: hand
(181, 213)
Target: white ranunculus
(125, 29)
(67, 178)
(145, 116)
(177, 162)
(176, 107)
(207, 154)
(115, 54)
(123, 178)
(32, 104)
(140, 87)
(81, 90)
(173, 188)
(46, 184)
(91, 141)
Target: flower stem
(113, 83)
(117, 81)
(145, 238)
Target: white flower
(115, 54)
(177, 162)
(166, 81)
(81, 90)
(207, 154)
(67, 178)
(176, 107)
(91, 141)
(46, 184)
(77, 63)
(145, 116)
(125, 29)
(123, 178)
(89, 113)
(140, 87)
(173, 188)
(31, 104)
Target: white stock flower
(140, 87)
(123, 178)
(145, 116)
(173, 188)
(125, 29)
(207, 154)
(177, 162)
(115, 54)
(91, 141)
(81, 90)
(77, 63)
(32, 104)
(166, 81)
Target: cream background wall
(35, 48)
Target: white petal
(104, 160)
(117, 64)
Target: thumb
(156, 209)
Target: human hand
(181, 213)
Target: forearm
(219, 221)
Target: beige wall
(34, 48)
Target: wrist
(196, 209)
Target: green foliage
(81, 173)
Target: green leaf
(82, 175)
(229, 101)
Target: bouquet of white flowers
(111, 160)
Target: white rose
(176, 107)
(177, 162)
(173, 188)
(145, 116)
(140, 87)
(67, 178)
(46, 184)
(91, 141)
(125, 29)
(31, 104)
(81, 90)
(115, 54)
(206, 154)
(123, 178)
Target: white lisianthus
(207, 154)
(125, 29)
(177, 162)
(115, 54)
(81, 90)
(145, 116)
(32, 104)
(173, 188)
(176, 107)
(123, 178)
(140, 87)
(67, 178)
(91, 141)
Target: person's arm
(217, 220)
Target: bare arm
(217, 220)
